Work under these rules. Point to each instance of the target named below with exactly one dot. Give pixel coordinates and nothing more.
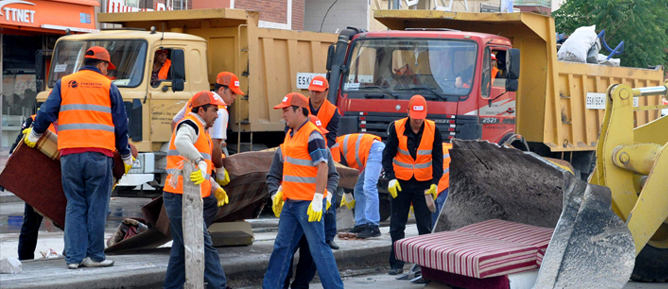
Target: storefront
(28, 32)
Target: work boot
(332, 245)
(395, 271)
(370, 232)
(359, 228)
(88, 262)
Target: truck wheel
(651, 265)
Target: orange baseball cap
(493, 56)
(205, 97)
(417, 107)
(230, 80)
(293, 99)
(99, 53)
(318, 83)
(315, 120)
(162, 51)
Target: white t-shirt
(219, 128)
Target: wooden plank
(193, 235)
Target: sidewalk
(244, 265)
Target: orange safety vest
(355, 148)
(175, 160)
(84, 120)
(164, 70)
(405, 167)
(326, 112)
(495, 71)
(299, 173)
(51, 127)
(444, 182)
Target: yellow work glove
(128, 162)
(277, 202)
(31, 137)
(222, 197)
(222, 177)
(432, 191)
(329, 200)
(314, 211)
(348, 201)
(197, 177)
(394, 187)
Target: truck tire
(651, 265)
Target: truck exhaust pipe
(337, 63)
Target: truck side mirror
(177, 84)
(178, 68)
(513, 64)
(330, 57)
(511, 84)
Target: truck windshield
(438, 69)
(129, 57)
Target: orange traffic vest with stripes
(164, 70)
(444, 182)
(84, 120)
(175, 161)
(51, 127)
(355, 148)
(326, 112)
(299, 173)
(405, 167)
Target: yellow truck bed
(552, 95)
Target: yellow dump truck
(201, 43)
(554, 107)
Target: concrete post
(193, 235)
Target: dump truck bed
(552, 95)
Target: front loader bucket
(590, 248)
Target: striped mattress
(487, 249)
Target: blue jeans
(214, 277)
(366, 189)
(330, 220)
(86, 179)
(440, 201)
(292, 224)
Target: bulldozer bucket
(591, 247)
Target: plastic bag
(10, 266)
(575, 48)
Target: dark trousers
(209, 209)
(330, 221)
(412, 193)
(305, 268)
(29, 231)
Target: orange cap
(99, 53)
(230, 80)
(162, 51)
(293, 99)
(417, 107)
(205, 97)
(493, 56)
(318, 83)
(315, 120)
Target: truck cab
(150, 103)
(451, 69)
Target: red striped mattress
(487, 249)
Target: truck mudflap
(591, 247)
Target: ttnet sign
(16, 11)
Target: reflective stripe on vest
(85, 120)
(355, 148)
(299, 173)
(444, 182)
(336, 152)
(405, 167)
(326, 112)
(164, 70)
(175, 161)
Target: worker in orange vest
(304, 189)
(363, 152)
(92, 123)
(190, 142)
(443, 184)
(328, 114)
(226, 90)
(161, 66)
(495, 67)
(412, 160)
